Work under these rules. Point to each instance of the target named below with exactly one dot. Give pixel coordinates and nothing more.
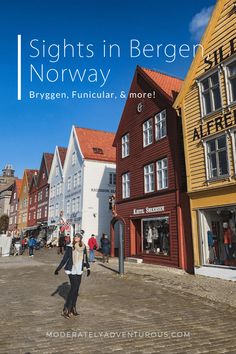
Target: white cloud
(199, 22)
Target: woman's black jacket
(67, 260)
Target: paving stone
(144, 312)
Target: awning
(30, 228)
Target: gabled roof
(167, 86)
(16, 188)
(18, 183)
(62, 153)
(96, 144)
(34, 180)
(204, 42)
(29, 175)
(48, 157)
(170, 85)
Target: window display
(219, 228)
(156, 236)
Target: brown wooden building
(151, 199)
(43, 189)
(33, 202)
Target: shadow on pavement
(62, 290)
(105, 266)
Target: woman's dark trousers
(75, 281)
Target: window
(75, 180)
(30, 200)
(45, 212)
(217, 157)
(126, 185)
(57, 210)
(69, 184)
(147, 132)
(68, 207)
(57, 171)
(125, 145)
(112, 178)
(210, 94)
(58, 188)
(46, 193)
(39, 213)
(14, 195)
(162, 174)
(16, 207)
(160, 125)
(231, 74)
(10, 221)
(79, 178)
(77, 203)
(73, 159)
(34, 215)
(149, 178)
(40, 196)
(43, 175)
(73, 205)
(155, 235)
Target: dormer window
(125, 145)
(73, 159)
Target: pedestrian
(17, 246)
(74, 261)
(105, 246)
(24, 243)
(93, 246)
(31, 244)
(61, 242)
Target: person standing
(105, 246)
(31, 245)
(74, 261)
(93, 246)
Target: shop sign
(218, 55)
(148, 210)
(215, 125)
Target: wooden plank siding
(170, 147)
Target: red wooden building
(14, 205)
(151, 199)
(43, 189)
(33, 202)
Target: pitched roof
(96, 144)
(18, 183)
(169, 84)
(30, 174)
(62, 153)
(48, 160)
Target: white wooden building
(89, 181)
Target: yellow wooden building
(207, 104)
(23, 199)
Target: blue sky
(30, 127)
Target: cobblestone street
(150, 310)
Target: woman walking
(105, 246)
(74, 261)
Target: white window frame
(148, 132)
(126, 185)
(161, 172)
(57, 170)
(69, 183)
(125, 145)
(112, 178)
(68, 207)
(233, 142)
(73, 160)
(202, 102)
(228, 85)
(77, 207)
(160, 118)
(208, 178)
(149, 178)
(75, 180)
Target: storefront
(207, 105)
